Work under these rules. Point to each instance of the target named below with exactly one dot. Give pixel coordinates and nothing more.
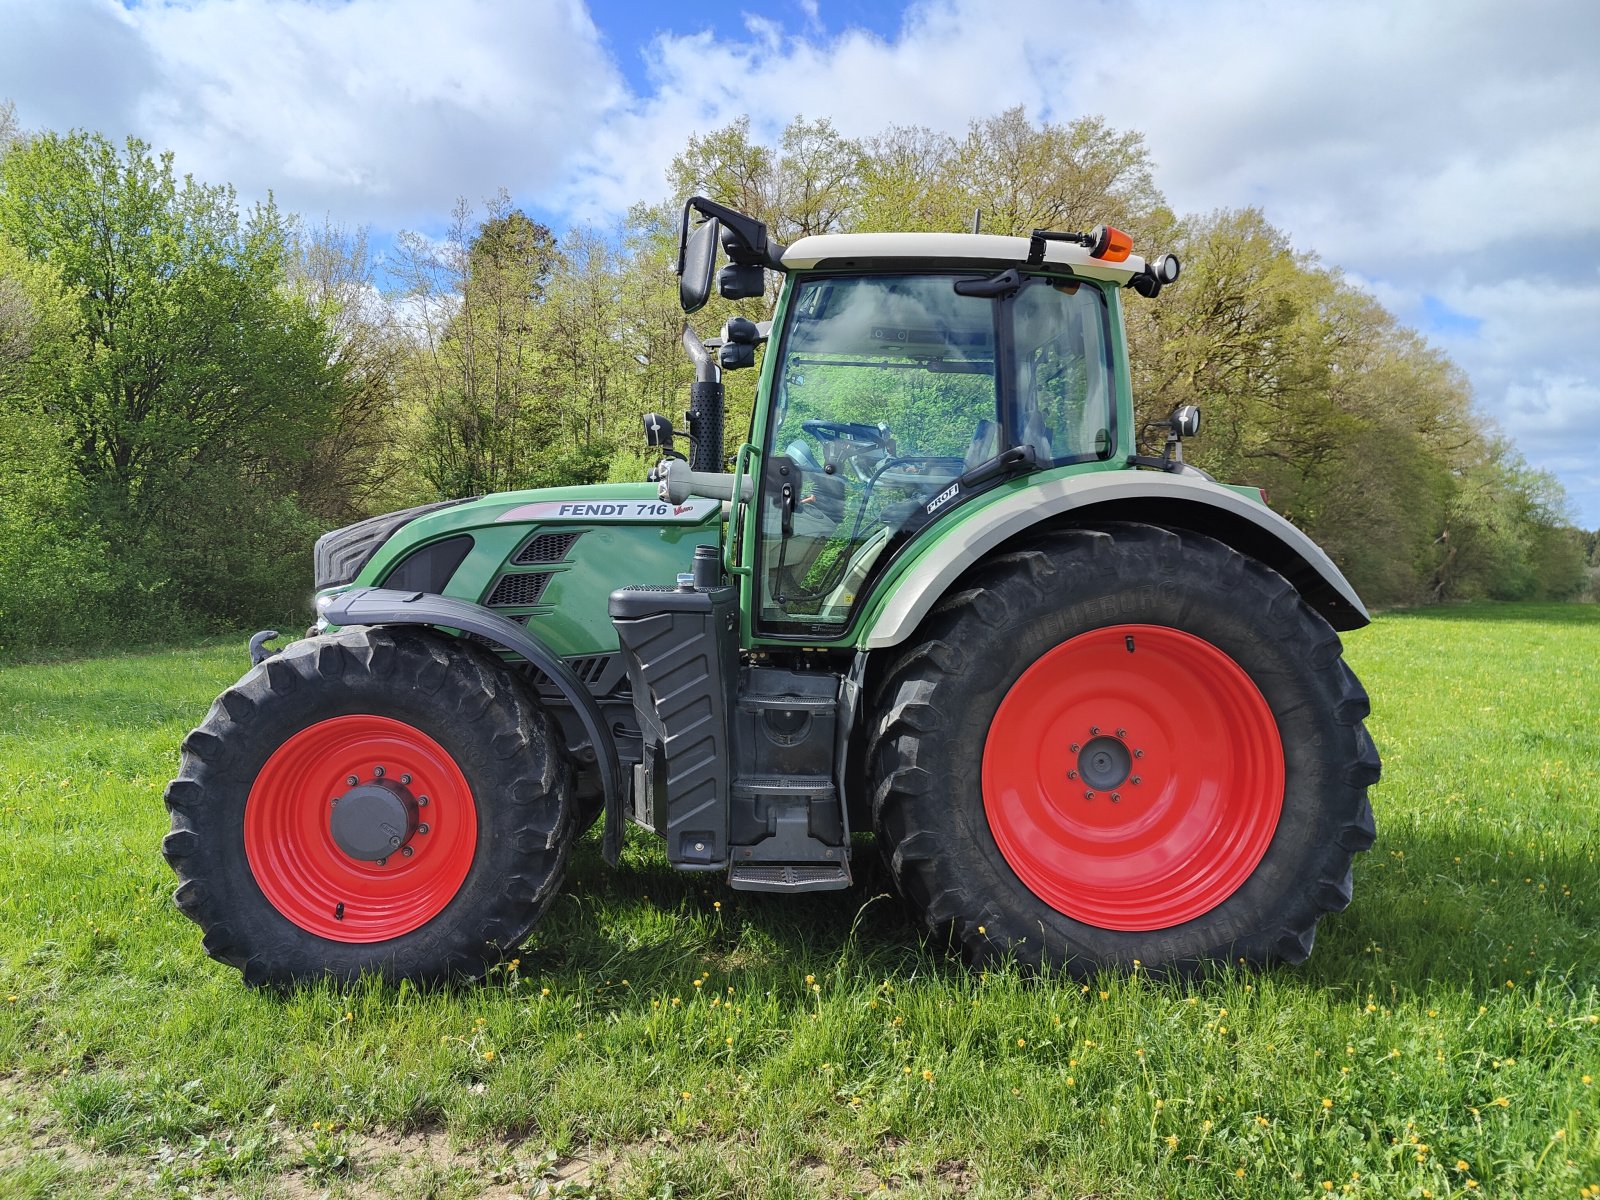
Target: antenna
(977, 219)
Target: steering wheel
(846, 431)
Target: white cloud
(372, 110)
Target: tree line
(191, 389)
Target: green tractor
(1090, 702)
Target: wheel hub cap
(374, 820)
(1105, 763)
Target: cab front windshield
(888, 392)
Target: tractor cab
(906, 374)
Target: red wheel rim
(289, 839)
(1196, 734)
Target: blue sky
(1444, 153)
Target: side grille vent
(591, 669)
(519, 591)
(546, 548)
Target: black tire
(508, 751)
(936, 701)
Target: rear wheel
(1125, 744)
(383, 801)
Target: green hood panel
(609, 536)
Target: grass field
(662, 1036)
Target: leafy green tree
(353, 470)
(195, 383)
(473, 375)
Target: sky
(1445, 154)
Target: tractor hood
(546, 558)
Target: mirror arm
(749, 232)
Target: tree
(196, 381)
(354, 469)
(473, 375)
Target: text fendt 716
(1091, 703)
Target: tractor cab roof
(958, 251)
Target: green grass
(827, 1050)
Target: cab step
(789, 877)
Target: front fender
(384, 606)
(1179, 501)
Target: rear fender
(1187, 502)
(384, 606)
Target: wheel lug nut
(1138, 753)
(381, 861)
(394, 841)
(377, 772)
(1088, 795)
(1136, 781)
(422, 802)
(352, 780)
(423, 828)
(1094, 731)
(1122, 733)
(334, 803)
(407, 852)
(1072, 774)
(405, 779)
(1116, 797)
(1073, 747)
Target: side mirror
(697, 252)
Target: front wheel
(375, 801)
(1124, 744)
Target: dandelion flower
(488, 1056)
(928, 1075)
(1172, 1141)
(1022, 1042)
(1327, 1102)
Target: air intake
(519, 591)
(546, 548)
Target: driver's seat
(985, 445)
